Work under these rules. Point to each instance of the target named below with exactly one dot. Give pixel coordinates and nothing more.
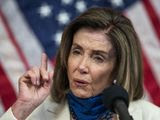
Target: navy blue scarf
(88, 109)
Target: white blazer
(49, 110)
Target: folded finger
(30, 76)
(49, 82)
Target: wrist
(21, 110)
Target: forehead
(92, 39)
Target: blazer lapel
(64, 113)
(55, 111)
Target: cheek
(102, 75)
(101, 81)
(69, 68)
(72, 66)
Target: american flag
(29, 27)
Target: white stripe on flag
(9, 58)
(148, 38)
(156, 5)
(24, 35)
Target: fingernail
(34, 81)
(45, 77)
(38, 83)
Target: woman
(98, 48)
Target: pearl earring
(114, 81)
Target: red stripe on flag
(152, 16)
(150, 83)
(149, 80)
(53, 61)
(13, 40)
(7, 92)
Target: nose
(83, 65)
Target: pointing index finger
(44, 61)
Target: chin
(81, 94)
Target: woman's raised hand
(34, 87)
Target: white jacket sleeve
(150, 111)
(8, 115)
(144, 110)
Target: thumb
(51, 73)
(48, 83)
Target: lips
(80, 83)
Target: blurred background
(30, 27)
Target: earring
(114, 81)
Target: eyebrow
(94, 51)
(100, 51)
(76, 45)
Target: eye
(76, 51)
(99, 58)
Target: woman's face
(90, 63)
